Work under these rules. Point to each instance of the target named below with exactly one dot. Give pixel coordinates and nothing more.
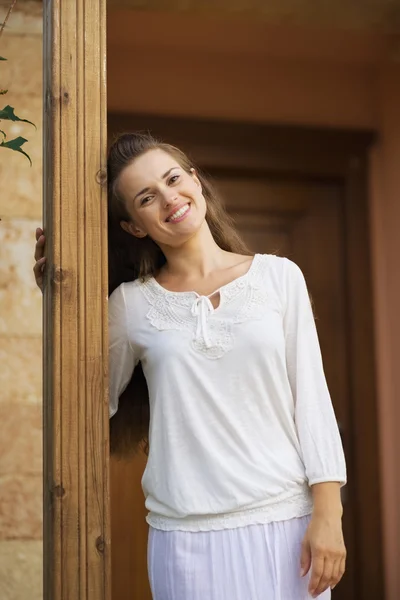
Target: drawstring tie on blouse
(202, 308)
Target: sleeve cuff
(328, 479)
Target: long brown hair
(130, 258)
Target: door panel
(128, 530)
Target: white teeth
(179, 213)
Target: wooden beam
(76, 486)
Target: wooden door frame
(322, 155)
(76, 532)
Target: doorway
(299, 193)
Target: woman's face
(164, 201)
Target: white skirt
(257, 562)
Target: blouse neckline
(211, 329)
(234, 282)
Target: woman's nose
(170, 199)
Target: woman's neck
(197, 258)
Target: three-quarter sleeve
(315, 419)
(122, 360)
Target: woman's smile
(179, 214)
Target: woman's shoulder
(278, 271)
(279, 264)
(127, 308)
(126, 295)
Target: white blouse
(241, 420)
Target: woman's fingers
(326, 573)
(339, 570)
(325, 580)
(40, 259)
(38, 268)
(317, 572)
(38, 271)
(305, 558)
(39, 248)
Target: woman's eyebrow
(169, 171)
(145, 190)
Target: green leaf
(2, 92)
(16, 144)
(2, 58)
(8, 114)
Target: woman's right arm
(122, 357)
(122, 360)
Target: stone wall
(20, 312)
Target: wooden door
(301, 194)
(128, 530)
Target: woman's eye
(174, 179)
(145, 200)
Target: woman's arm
(323, 547)
(327, 499)
(315, 420)
(122, 358)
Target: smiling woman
(245, 457)
(200, 304)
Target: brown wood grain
(129, 530)
(76, 486)
(366, 468)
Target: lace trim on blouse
(211, 329)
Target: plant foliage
(8, 112)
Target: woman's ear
(132, 229)
(195, 177)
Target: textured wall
(20, 314)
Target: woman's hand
(40, 259)
(323, 551)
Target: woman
(245, 462)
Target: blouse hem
(290, 508)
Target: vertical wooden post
(76, 486)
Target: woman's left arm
(323, 548)
(318, 432)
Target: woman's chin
(181, 236)
(179, 233)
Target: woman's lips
(179, 214)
